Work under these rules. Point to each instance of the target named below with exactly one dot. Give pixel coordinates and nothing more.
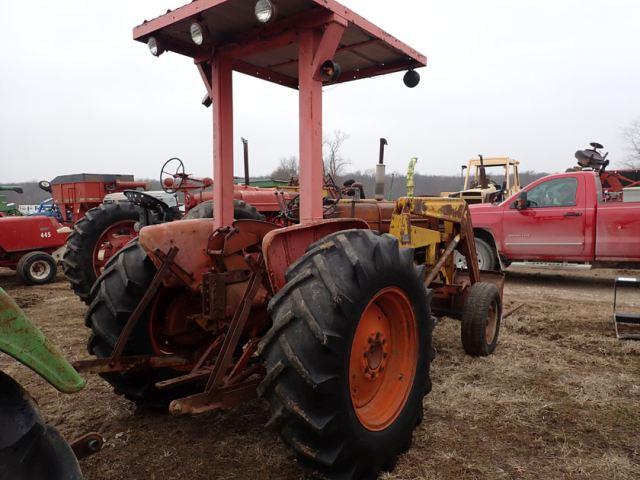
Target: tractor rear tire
(78, 259)
(481, 318)
(241, 211)
(343, 415)
(115, 295)
(37, 268)
(30, 449)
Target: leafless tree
(632, 136)
(334, 162)
(287, 168)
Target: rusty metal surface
(284, 246)
(451, 209)
(223, 398)
(130, 363)
(377, 214)
(190, 235)
(144, 303)
(444, 256)
(87, 445)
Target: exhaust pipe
(380, 172)
(245, 146)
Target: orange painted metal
(222, 89)
(382, 364)
(192, 237)
(310, 108)
(111, 241)
(284, 246)
(377, 214)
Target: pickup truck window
(559, 192)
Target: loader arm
(28, 345)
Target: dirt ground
(559, 399)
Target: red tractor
(329, 319)
(105, 229)
(32, 245)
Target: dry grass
(559, 399)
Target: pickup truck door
(552, 227)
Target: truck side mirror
(522, 203)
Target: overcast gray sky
(531, 79)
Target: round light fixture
(265, 11)
(155, 46)
(198, 33)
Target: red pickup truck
(566, 217)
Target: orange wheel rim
(384, 354)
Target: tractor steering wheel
(171, 182)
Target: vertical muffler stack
(380, 172)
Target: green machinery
(8, 209)
(29, 448)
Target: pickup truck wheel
(28, 447)
(37, 268)
(486, 256)
(481, 316)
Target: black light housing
(411, 78)
(330, 71)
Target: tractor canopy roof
(270, 51)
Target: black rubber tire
(26, 262)
(30, 449)
(306, 352)
(486, 256)
(115, 295)
(478, 302)
(77, 261)
(241, 211)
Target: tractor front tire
(79, 259)
(348, 354)
(481, 318)
(30, 449)
(37, 268)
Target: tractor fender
(284, 246)
(28, 345)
